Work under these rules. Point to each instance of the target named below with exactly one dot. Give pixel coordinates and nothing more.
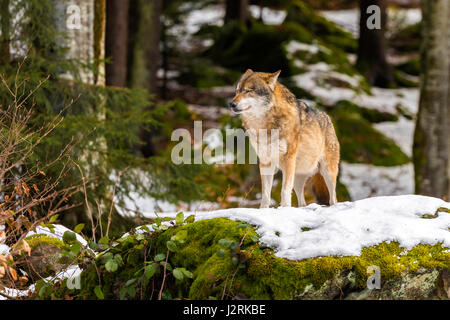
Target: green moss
(257, 273)
(402, 80)
(412, 66)
(407, 39)
(257, 46)
(201, 73)
(269, 277)
(330, 33)
(371, 115)
(360, 142)
(296, 31)
(42, 239)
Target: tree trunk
(145, 30)
(117, 42)
(431, 136)
(5, 20)
(83, 22)
(372, 61)
(237, 10)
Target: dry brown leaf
(2, 272)
(26, 247)
(23, 280)
(13, 273)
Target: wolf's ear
(247, 73)
(272, 81)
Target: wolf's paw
(264, 205)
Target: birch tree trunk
(84, 22)
(431, 136)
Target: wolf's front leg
(288, 182)
(266, 172)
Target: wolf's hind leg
(299, 187)
(331, 183)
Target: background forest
(91, 91)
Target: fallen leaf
(13, 273)
(23, 280)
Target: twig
(86, 201)
(112, 202)
(164, 277)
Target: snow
(345, 228)
(4, 249)
(134, 203)
(349, 19)
(70, 272)
(57, 233)
(365, 180)
(269, 16)
(401, 131)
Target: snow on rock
(4, 249)
(345, 228)
(70, 272)
(58, 233)
(401, 131)
(365, 180)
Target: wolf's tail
(320, 189)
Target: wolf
(308, 148)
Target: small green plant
(238, 256)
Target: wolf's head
(254, 92)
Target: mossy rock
(257, 46)
(300, 13)
(371, 115)
(252, 271)
(201, 73)
(360, 141)
(404, 80)
(407, 39)
(412, 66)
(46, 258)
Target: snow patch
(345, 228)
(57, 233)
(365, 180)
(268, 15)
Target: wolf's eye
(248, 90)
